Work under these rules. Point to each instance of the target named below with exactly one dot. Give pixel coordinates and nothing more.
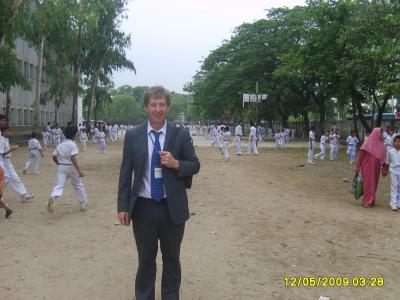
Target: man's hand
(167, 160)
(81, 174)
(123, 218)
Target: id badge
(158, 173)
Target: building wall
(21, 112)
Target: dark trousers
(152, 222)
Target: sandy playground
(255, 220)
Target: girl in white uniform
(67, 168)
(35, 151)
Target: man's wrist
(177, 165)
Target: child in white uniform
(10, 175)
(35, 151)
(334, 144)
(238, 134)
(277, 137)
(322, 146)
(226, 138)
(311, 147)
(83, 139)
(389, 139)
(352, 142)
(252, 148)
(67, 168)
(101, 138)
(393, 160)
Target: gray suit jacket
(134, 162)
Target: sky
(170, 38)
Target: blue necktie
(157, 184)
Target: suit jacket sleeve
(125, 176)
(189, 164)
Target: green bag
(358, 186)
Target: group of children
(64, 156)
(332, 139)
(221, 138)
(391, 139)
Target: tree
(10, 75)
(105, 46)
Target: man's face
(157, 110)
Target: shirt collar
(163, 129)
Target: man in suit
(163, 161)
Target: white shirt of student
(64, 151)
(389, 140)
(323, 139)
(226, 136)
(311, 135)
(253, 132)
(101, 136)
(352, 141)
(393, 160)
(238, 130)
(334, 139)
(4, 147)
(83, 135)
(145, 189)
(34, 144)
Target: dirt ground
(255, 220)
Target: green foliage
(302, 57)
(10, 75)
(125, 105)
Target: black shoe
(9, 211)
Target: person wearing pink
(370, 161)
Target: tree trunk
(77, 71)
(8, 105)
(322, 113)
(96, 108)
(306, 121)
(92, 93)
(358, 98)
(57, 102)
(381, 108)
(36, 105)
(355, 119)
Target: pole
(256, 104)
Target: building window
(26, 70)
(20, 66)
(20, 120)
(33, 72)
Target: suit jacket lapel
(144, 149)
(170, 128)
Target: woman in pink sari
(370, 161)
